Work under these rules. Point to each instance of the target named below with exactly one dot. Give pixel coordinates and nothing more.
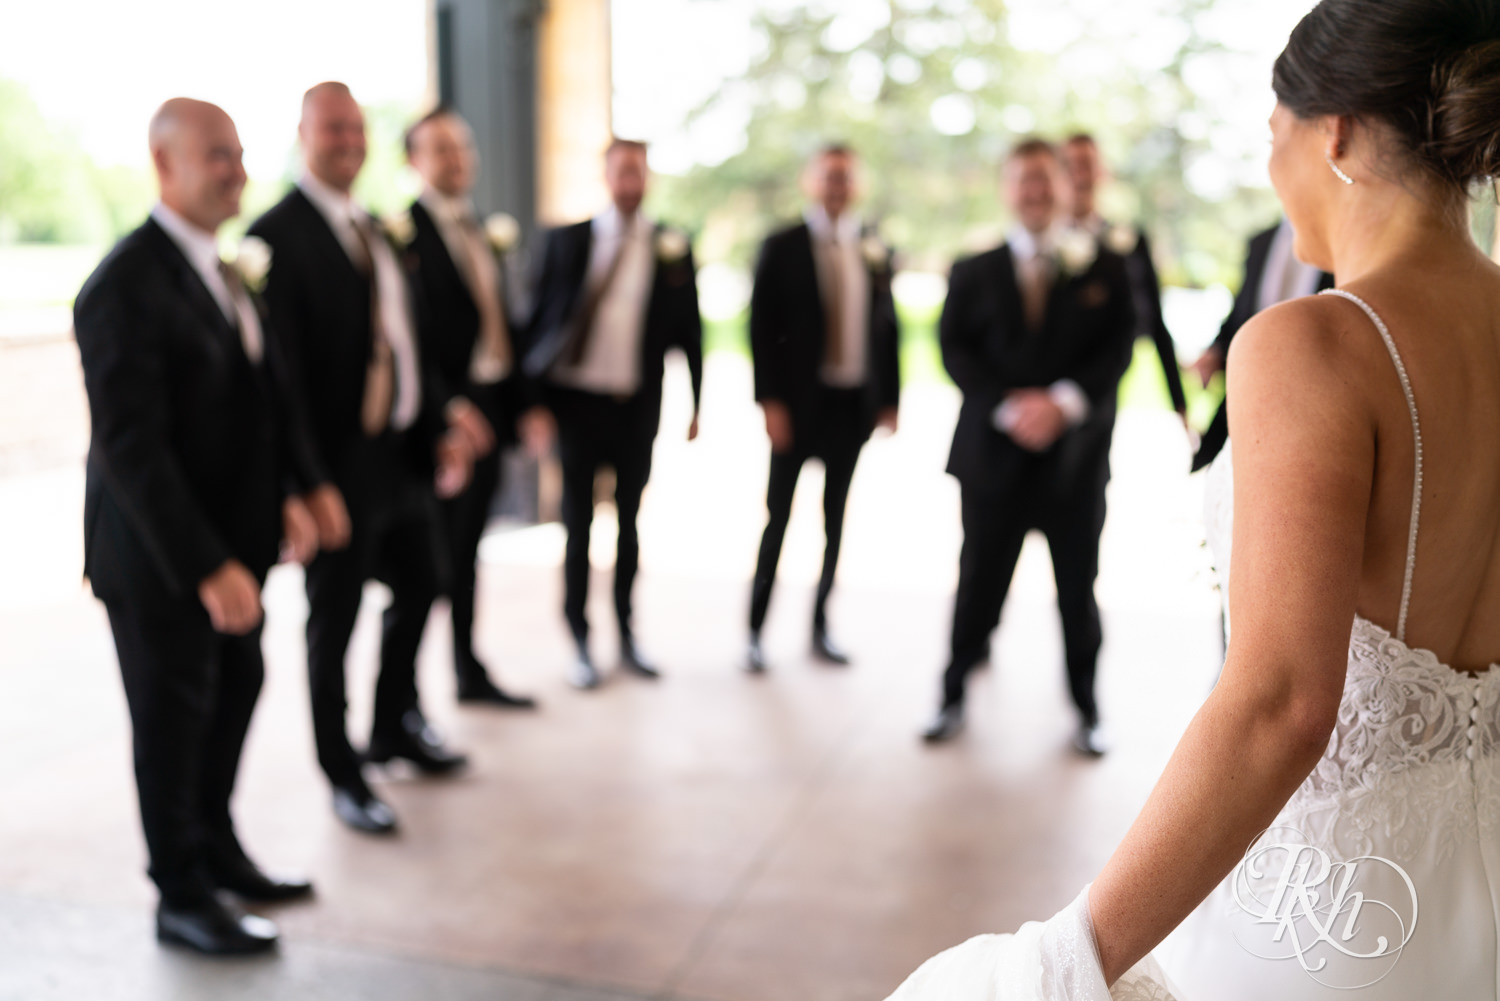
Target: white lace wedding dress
(1380, 880)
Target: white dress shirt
(201, 249)
(1285, 277)
(611, 362)
(854, 284)
(396, 322)
(1032, 254)
(476, 263)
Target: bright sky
(99, 67)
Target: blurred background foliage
(52, 192)
(932, 100)
(931, 93)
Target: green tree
(933, 98)
(51, 191)
(41, 176)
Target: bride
(1331, 820)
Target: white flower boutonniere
(1122, 240)
(672, 245)
(873, 249)
(400, 228)
(1076, 252)
(503, 232)
(252, 262)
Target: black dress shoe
(482, 691)
(1089, 740)
(947, 724)
(244, 879)
(418, 743)
(755, 657)
(632, 660)
(215, 929)
(826, 650)
(582, 674)
(359, 809)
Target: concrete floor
(715, 836)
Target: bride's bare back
(1445, 321)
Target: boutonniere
(399, 229)
(1076, 252)
(252, 262)
(503, 232)
(876, 254)
(1122, 240)
(672, 245)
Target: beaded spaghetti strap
(1416, 430)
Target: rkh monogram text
(1325, 914)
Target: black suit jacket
(320, 309)
(452, 330)
(788, 331)
(672, 318)
(1246, 305)
(1145, 286)
(1087, 337)
(192, 449)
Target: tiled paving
(715, 836)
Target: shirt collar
(331, 202)
(1024, 246)
(446, 208)
(610, 224)
(199, 246)
(822, 228)
(1094, 225)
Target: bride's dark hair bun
(1429, 69)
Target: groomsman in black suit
(614, 294)
(1036, 334)
(1272, 275)
(472, 351)
(342, 302)
(195, 477)
(824, 336)
(1086, 171)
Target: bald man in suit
(198, 473)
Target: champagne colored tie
(583, 322)
(833, 303)
(492, 354)
(1035, 288)
(380, 372)
(244, 313)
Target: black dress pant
(594, 431)
(191, 693)
(836, 440)
(395, 540)
(995, 526)
(463, 520)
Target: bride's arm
(1304, 456)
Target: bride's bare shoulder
(1323, 341)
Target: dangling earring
(1337, 172)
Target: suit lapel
(1057, 298)
(190, 284)
(452, 272)
(332, 247)
(583, 250)
(807, 251)
(1008, 285)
